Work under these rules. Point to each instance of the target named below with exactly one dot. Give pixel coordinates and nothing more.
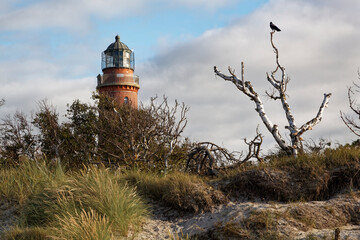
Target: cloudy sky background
(51, 49)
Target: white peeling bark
(248, 90)
(310, 124)
(279, 92)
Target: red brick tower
(118, 80)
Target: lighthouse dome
(117, 45)
(118, 55)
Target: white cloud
(210, 4)
(24, 83)
(76, 15)
(318, 46)
(68, 14)
(25, 95)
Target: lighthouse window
(126, 100)
(109, 61)
(126, 62)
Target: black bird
(274, 27)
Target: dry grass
(325, 216)
(30, 178)
(101, 190)
(181, 191)
(233, 229)
(307, 177)
(34, 233)
(259, 225)
(88, 225)
(262, 219)
(178, 236)
(93, 196)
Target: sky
(51, 49)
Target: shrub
(178, 190)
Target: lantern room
(118, 55)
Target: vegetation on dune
(102, 202)
(96, 202)
(34, 233)
(29, 179)
(74, 205)
(312, 176)
(147, 138)
(178, 190)
(258, 224)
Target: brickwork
(120, 93)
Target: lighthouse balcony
(118, 79)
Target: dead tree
(205, 157)
(349, 121)
(278, 93)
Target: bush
(178, 190)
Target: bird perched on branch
(274, 27)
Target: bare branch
(272, 95)
(243, 86)
(350, 123)
(275, 83)
(310, 124)
(254, 147)
(352, 101)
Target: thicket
(104, 132)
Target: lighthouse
(118, 80)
